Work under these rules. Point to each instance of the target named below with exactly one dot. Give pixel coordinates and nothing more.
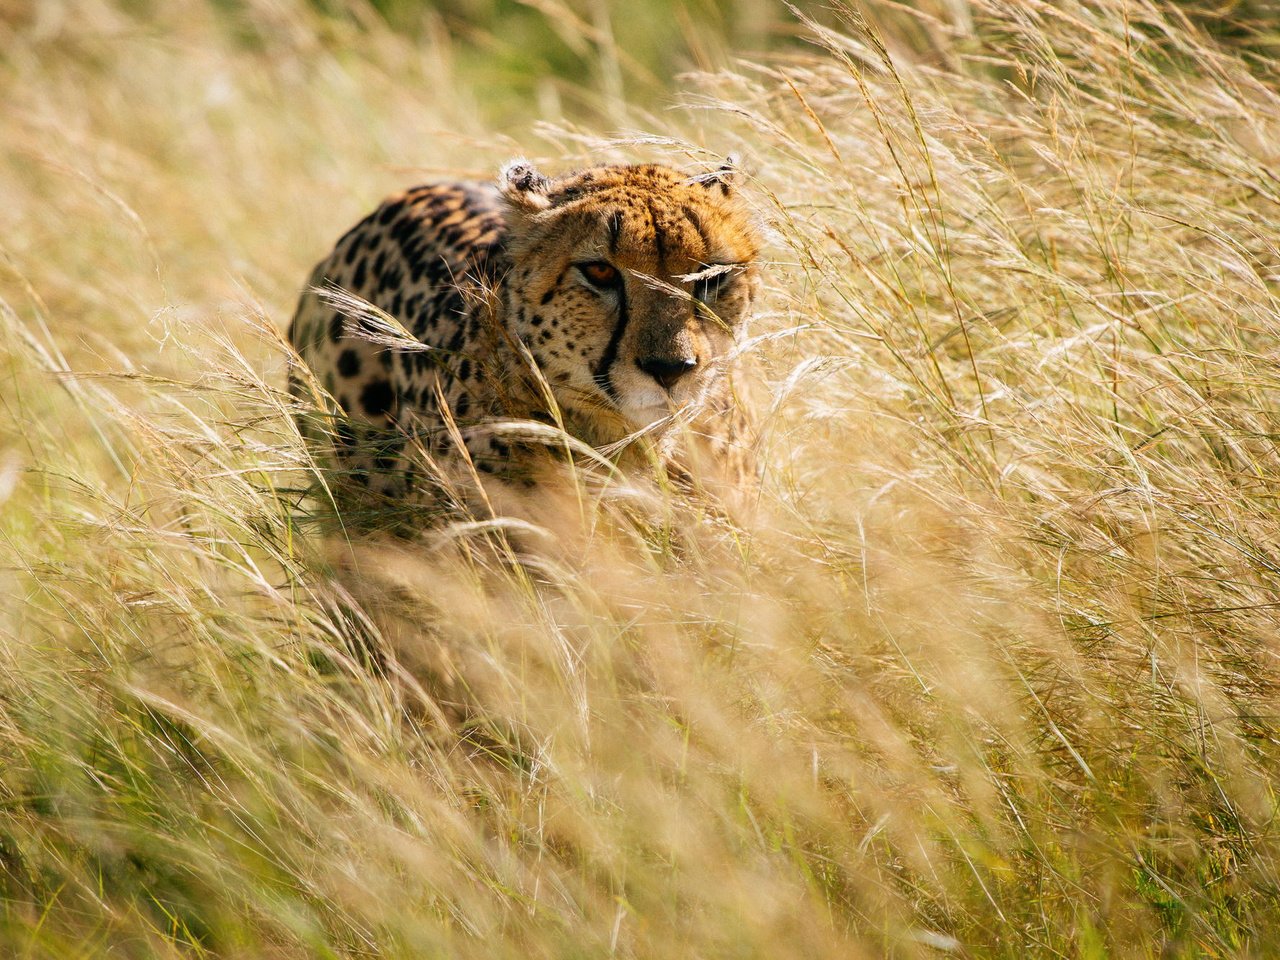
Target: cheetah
(610, 302)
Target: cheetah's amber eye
(601, 274)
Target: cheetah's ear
(723, 177)
(524, 187)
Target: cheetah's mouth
(642, 416)
(621, 413)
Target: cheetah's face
(631, 286)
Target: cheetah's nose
(667, 370)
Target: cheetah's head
(631, 285)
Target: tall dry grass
(992, 672)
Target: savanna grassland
(992, 669)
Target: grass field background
(991, 672)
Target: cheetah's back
(426, 257)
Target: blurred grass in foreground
(992, 674)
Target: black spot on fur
(389, 212)
(336, 327)
(349, 363)
(376, 398)
(391, 280)
(402, 230)
(353, 249)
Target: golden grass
(992, 673)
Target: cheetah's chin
(642, 416)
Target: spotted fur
(608, 300)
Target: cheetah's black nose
(667, 370)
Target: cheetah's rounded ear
(524, 187)
(724, 176)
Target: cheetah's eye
(708, 288)
(601, 274)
